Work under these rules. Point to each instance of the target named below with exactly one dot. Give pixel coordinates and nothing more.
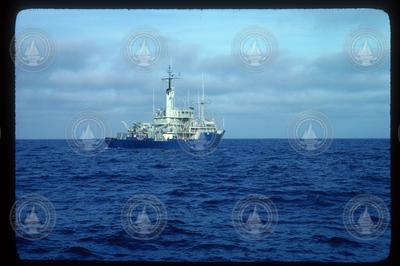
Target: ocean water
(199, 195)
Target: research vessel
(172, 126)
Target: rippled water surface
(199, 195)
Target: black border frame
(7, 122)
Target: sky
(310, 70)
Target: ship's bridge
(180, 113)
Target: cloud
(89, 73)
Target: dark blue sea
(199, 194)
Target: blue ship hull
(212, 138)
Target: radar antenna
(171, 76)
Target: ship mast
(153, 102)
(170, 76)
(169, 104)
(202, 99)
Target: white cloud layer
(90, 71)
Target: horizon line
(272, 138)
